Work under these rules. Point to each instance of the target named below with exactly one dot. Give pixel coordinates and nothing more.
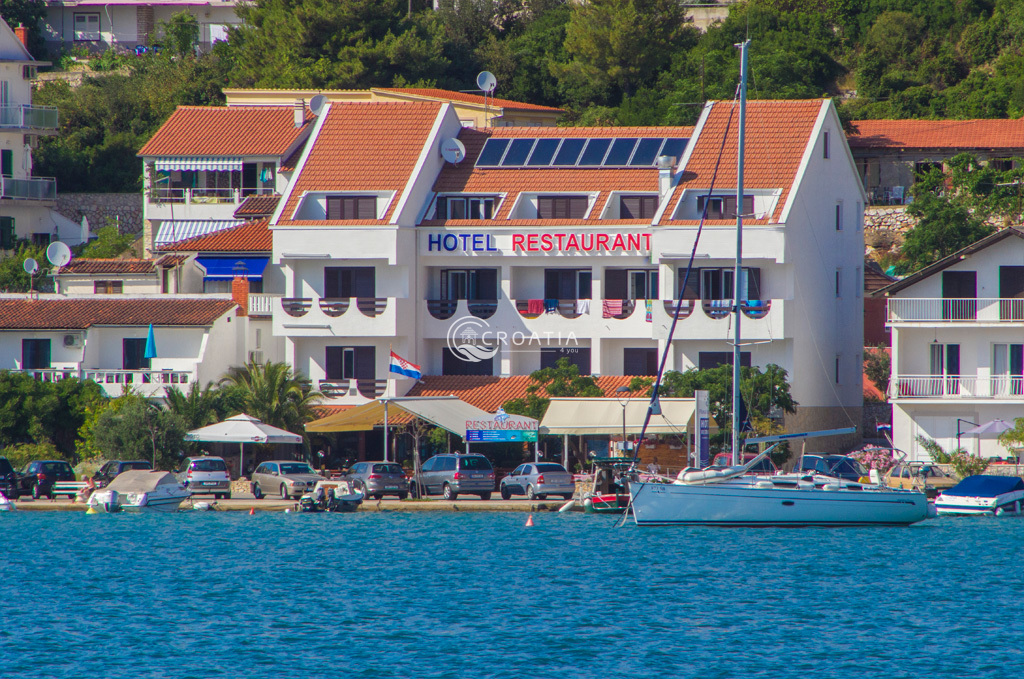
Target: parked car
(538, 480)
(840, 466)
(205, 475)
(284, 478)
(38, 477)
(377, 479)
(112, 468)
(762, 468)
(449, 475)
(8, 479)
(921, 476)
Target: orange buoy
(252, 510)
(529, 520)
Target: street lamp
(622, 393)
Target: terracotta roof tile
(81, 313)
(777, 136)
(936, 134)
(249, 237)
(291, 162)
(171, 260)
(226, 131)
(489, 393)
(364, 147)
(449, 95)
(257, 206)
(109, 266)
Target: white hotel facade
(576, 238)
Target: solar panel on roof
(543, 152)
(674, 147)
(646, 152)
(569, 152)
(492, 152)
(620, 152)
(517, 153)
(594, 153)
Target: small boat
(609, 491)
(982, 494)
(5, 504)
(335, 495)
(140, 490)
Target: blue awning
(229, 267)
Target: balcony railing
(261, 304)
(958, 387)
(955, 310)
(36, 188)
(203, 196)
(114, 378)
(29, 117)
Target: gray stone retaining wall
(126, 208)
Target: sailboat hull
(744, 505)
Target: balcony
(338, 316)
(345, 387)
(958, 387)
(148, 383)
(35, 188)
(946, 310)
(36, 118)
(261, 304)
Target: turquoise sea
(214, 594)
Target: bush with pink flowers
(875, 458)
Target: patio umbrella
(996, 426)
(150, 351)
(242, 429)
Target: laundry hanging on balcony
(209, 164)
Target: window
(351, 363)
(1001, 164)
(1011, 293)
(476, 284)
(839, 216)
(724, 207)
(706, 360)
(838, 374)
(351, 207)
(134, 354)
(108, 287)
(7, 162)
(562, 207)
(35, 354)
(1007, 369)
(41, 239)
(959, 295)
(8, 236)
(925, 167)
(637, 207)
(630, 284)
(87, 26)
(453, 365)
(567, 283)
(716, 284)
(470, 207)
(825, 146)
(577, 356)
(468, 123)
(349, 281)
(944, 360)
(640, 361)
(839, 283)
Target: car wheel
(35, 491)
(530, 494)
(568, 496)
(448, 493)
(542, 496)
(485, 496)
(284, 493)
(402, 496)
(257, 492)
(506, 494)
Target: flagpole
(387, 386)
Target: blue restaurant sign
(504, 428)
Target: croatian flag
(403, 367)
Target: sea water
(394, 594)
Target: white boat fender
(764, 485)
(587, 503)
(202, 506)
(830, 486)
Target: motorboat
(335, 495)
(140, 490)
(982, 494)
(5, 504)
(609, 486)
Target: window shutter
(8, 238)
(366, 368)
(545, 207)
(334, 207)
(333, 362)
(692, 290)
(332, 281)
(729, 207)
(442, 209)
(754, 283)
(551, 283)
(630, 207)
(365, 282)
(615, 285)
(487, 284)
(577, 207)
(748, 206)
(648, 206)
(366, 207)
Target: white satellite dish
(317, 103)
(31, 267)
(486, 81)
(58, 253)
(452, 150)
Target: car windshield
(5, 466)
(208, 466)
(296, 468)
(387, 469)
(933, 472)
(550, 468)
(474, 463)
(136, 465)
(55, 467)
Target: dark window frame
(563, 207)
(341, 208)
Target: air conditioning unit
(72, 340)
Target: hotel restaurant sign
(557, 243)
(502, 428)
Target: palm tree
(199, 407)
(274, 394)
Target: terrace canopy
(594, 416)
(447, 412)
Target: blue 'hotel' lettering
(467, 242)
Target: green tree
(180, 33)
(28, 13)
(109, 242)
(562, 381)
(13, 277)
(877, 367)
(963, 463)
(41, 412)
(199, 407)
(273, 394)
(140, 430)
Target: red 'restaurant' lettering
(602, 241)
(545, 242)
(531, 242)
(517, 241)
(618, 243)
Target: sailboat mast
(737, 278)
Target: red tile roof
(109, 266)
(936, 134)
(226, 131)
(249, 237)
(367, 146)
(291, 162)
(778, 133)
(489, 393)
(81, 313)
(257, 206)
(466, 178)
(449, 95)
(171, 260)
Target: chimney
(665, 165)
(22, 34)
(240, 294)
(300, 112)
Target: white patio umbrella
(242, 429)
(996, 426)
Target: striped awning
(174, 230)
(209, 163)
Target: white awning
(585, 416)
(174, 230)
(209, 163)
(447, 412)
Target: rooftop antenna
(316, 104)
(486, 81)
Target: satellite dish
(486, 81)
(31, 267)
(317, 103)
(452, 150)
(58, 253)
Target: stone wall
(126, 208)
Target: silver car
(205, 475)
(449, 475)
(538, 480)
(283, 478)
(377, 479)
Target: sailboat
(732, 496)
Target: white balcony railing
(36, 188)
(146, 382)
(968, 310)
(29, 117)
(203, 196)
(261, 304)
(964, 387)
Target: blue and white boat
(982, 494)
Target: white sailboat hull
(742, 504)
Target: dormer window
(724, 207)
(562, 207)
(637, 207)
(351, 207)
(469, 207)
